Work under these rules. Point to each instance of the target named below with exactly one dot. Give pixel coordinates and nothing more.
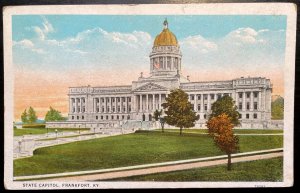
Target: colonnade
(148, 102)
(78, 105)
(112, 104)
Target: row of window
(78, 99)
(78, 117)
(113, 99)
(107, 117)
(78, 109)
(247, 116)
(255, 106)
(113, 109)
(205, 96)
(255, 95)
(112, 117)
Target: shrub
(34, 126)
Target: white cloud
(263, 30)
(198, 43)
(242, 36)
(243, 48)
(93, 48)
(44, 30)
(24, 43)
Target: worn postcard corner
(149, 96)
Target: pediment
(150, 87)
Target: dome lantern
(166, 24)
(166, 37)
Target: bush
(34, 126)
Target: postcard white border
(287, 9)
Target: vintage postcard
(149, 96)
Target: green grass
(237, 131)
(128, 150)
(37, 131)
(259, 170)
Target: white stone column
(94, 105)
(76, 107)
(80, 104)
(126, 104)
(208, 103)
(244, 101)
(202, 103)
(147, 102)
(237, 99)
(251, 101)
(195, 102)
(259, 101)
(116, 104)
(110, 101)
(105, 104)
(159, 103)
(134, 103)
(153, 102)
(140, 103)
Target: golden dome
(166, 37)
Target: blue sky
(70, 41)
(207, 26)
(54, 52)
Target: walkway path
(200, 133)
(145, 169)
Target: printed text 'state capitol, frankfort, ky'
(132, 106)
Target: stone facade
(113, 106)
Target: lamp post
(162, 122)
(20, 143)
(56, 133)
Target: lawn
(260, 170)
(128, 150)
(237, 131)
(37, 131)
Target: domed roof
(166, 37)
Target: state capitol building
(129, 105)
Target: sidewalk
(156, 167)
(199, 133)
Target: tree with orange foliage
(220, 129)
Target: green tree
(225, 105)
(53, 115)
(24, 116)
(31, 115)
(179, 110)
(157, 116)
(277, 108)
(220, 129)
